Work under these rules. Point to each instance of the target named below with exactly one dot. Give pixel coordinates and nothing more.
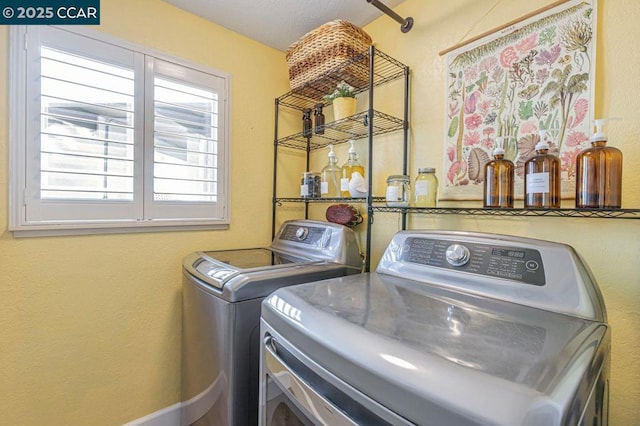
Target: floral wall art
(534, 75)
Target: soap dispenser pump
(331, 174)
(599, 173)
(499, 178)
(348, 169)
(542, 177)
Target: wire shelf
(385, 69)
(345, 200)
(587, 213)
(338, 132)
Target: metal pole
(405, 24)
(275, 171)
(306, 203)
(367, 261)
(405, 164)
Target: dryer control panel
(513, 263)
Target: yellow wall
(90, 326)
(610, 247)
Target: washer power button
(531, 265)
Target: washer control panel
(310, 235)
(513, 263)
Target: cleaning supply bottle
(499, 178)
(599, 174)
(330, 177)
(542, 178)
(352, 165)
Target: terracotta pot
(343, 107)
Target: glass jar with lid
(425, 188)
(398, 191)
(310, 185)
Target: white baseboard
(187, 412)
(169, 416)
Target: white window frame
(143, 214)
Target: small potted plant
(343, 99)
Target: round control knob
(457, 255)
(301, 233)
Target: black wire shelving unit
(364, 72)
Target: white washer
(452, 329)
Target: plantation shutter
(115, 137)
(82, 142)
(183, 142)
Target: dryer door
(295, 392)
(289, 397)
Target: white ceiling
(279, 23)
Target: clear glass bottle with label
(542, 178)
(330, 177)
(351, 166)
(499, 179)
(599, 174)
(398, 191)
(425, 188)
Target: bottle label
(421, 187)
(394, 193)
(304, 190)
(324, 187)
(537, 183)
(344, 184)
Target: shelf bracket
(405, 24)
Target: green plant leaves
(525, 110)
(453, 127)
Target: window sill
(53, 230)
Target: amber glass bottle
(306, 123)
(542, 179)
(599, 174)
(499, 179)
(318, 125)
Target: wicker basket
(325, 49)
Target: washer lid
(251, 259)
(417, 348)
(218, 267)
